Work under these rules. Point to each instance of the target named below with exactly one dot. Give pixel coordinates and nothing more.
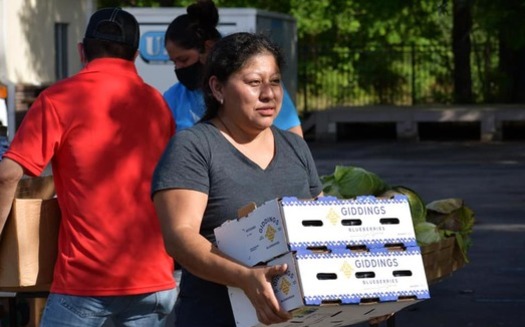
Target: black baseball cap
(114, 24)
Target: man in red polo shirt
(103, 131)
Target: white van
(153, 62)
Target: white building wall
(28, 29)
(27, 43)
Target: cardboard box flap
(246, 210)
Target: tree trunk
(512, 65)
(462, 24)
(512, 54)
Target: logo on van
(151, 48)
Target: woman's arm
(180, 212)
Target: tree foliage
(390, 21)
(358, 37)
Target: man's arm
(10, 173)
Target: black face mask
(191, 76)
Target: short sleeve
(184, 164)
(38, 137)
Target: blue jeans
(144, 310)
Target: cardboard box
(442, 258)
(286, 224)
(342, 287)
(28, 247)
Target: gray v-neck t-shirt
(201, 159)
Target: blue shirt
(188, 107)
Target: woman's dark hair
(228, 56)
(199, 25)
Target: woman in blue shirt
(188, 40)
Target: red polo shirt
(103, 130)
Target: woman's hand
(258, 288)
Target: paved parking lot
(490, 177)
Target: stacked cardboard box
(348, 260)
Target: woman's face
(182, 57)
(254, 93)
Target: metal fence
(393, 75)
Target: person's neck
(259, 147)
(238, 135)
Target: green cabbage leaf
(348, 182)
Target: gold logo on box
(347, 269)
(270, 233)
(333, 217)
(285, 286)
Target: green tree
(359, 46)
(134, 3)
(502, 21)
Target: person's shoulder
(199, 138)
(148, 94)
(285, 133)
(287, 136)
(172, 89)
(175, 90)
(203, 127)
(198, 131)
(63, 86)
